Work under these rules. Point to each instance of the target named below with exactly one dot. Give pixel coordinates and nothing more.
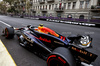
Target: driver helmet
(40, 26)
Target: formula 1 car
(52, 46)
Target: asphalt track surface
(23, 57)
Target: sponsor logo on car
(44, 39)
(82, 51)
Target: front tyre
(61, 57)
(9, 32)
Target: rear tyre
(61, 57)
(9, 32)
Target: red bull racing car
(55, 48)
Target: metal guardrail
(65, 19)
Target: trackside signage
(70, 22)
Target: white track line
(5, 23)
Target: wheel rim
(55, 60)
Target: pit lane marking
(5, 57)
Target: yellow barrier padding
(5, 57)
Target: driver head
(41, 25)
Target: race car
(55, 48)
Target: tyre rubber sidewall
(65, 57)
(9, 32)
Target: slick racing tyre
(9, 32)
(61, 57)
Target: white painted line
(5, 23)
(5, 57)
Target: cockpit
(46, 30)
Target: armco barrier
(95, 21)
(75, 23)
(68, 20)
(81, 20)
